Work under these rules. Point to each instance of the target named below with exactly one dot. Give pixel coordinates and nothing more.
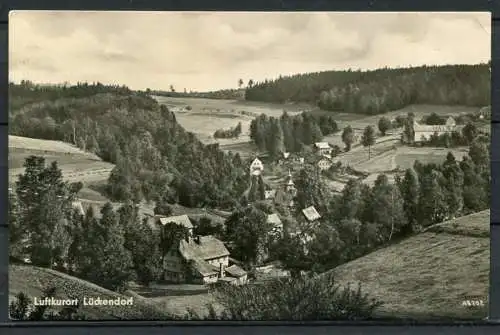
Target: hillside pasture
(34, 144)
(428, 275)
(208, 115)
(75, 164)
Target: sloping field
(208, 115)
(76, 164)
(430, 274)
(27, 143)
(32, 280)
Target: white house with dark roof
(256, 167)
(311, 214)
(323, 148)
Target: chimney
(221, 270)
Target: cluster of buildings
(199, 259)
(423, 132)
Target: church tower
(290, 185)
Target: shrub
(303, 298)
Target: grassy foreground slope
(430, 274)
(32, 280)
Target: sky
(204, 51)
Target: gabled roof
(256, 161)
(204, 268)
(182, 220)
(208, 248)
(235, 271)
(311, 213)
(274, 219)
(322, 145)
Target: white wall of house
(324, 164)
(216, 261)
(210, 279)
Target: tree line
(228, 133)
(154, 155)
(382, 90)
(290, 133)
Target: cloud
(211, 50)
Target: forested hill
(154, 156)
(378, 91)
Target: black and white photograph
(242, 166)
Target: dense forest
(228, 94)
(382, 90)
(131, 130)
(290, 133)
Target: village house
(181, 220)
(485, 112)
(201, 260)
(311, 214)
(78, 207)
(323, 148)
(275, 220)
(422, 133)
(324, 163)
(256, 167)
(269, 194)
(198, 259)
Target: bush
(303, 298)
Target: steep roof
(322, 145)
(256, 161)
(208, 248)
(182, 220)
(311, 213)
(274, 219)
(204, 268)
(235, 271)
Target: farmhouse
(201, 260)
(423, 133)
(256, 167)
(323, 148)
(311, 214)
